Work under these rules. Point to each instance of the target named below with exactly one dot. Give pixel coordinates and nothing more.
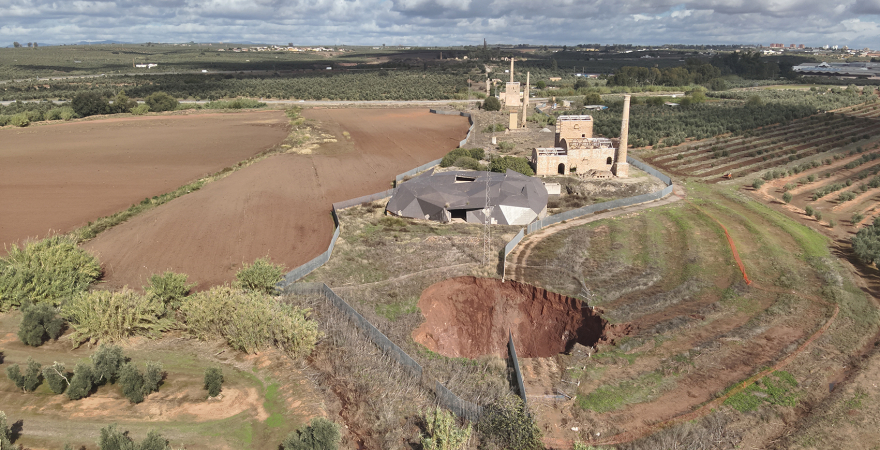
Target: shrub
(56, 377)
(443, 432)
(45, 271)
(856, 218)
(153, 377)
(249, 321)
(495, 127)
(123, 104)
(261, 276)
(6, 433)
(19, 120)
(492, 103)
(170, 288)
(140, 110)
(818, 215)
(320, 434)
(514, 163)
(213, 381)
(466, 162)
(450, 158)
(507, 424)
(846, 196)
(113, 439)
(160, 101)
(808, 210)
(757, 183)
(87, 104)
(31, 378)
(831, 223)
(82, 382)
(506, 146)
(786, 197)
(132, 381)
(113, 316)
(108, 360)
(811, 178)
(39, 323)
(62, 113)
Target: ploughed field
(55, 178)
(280, 206)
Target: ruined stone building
(576, 151)
(511, 96)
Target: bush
(261, 276)
(514, 163)
(213, 381)
(170, 288)
(808, 210)
(108, 361)
(505, 146)
(811, 178)
(123, 104)
(249, 321)
(113, 316)
(786, 197)
(132, 381)
(831, 223)
(62, 113)
(818, 215)
(320, 434)
(455, 155)
(6, 434)
(56, 377)
(31, 378)
(443, 432)
(757, 183)
(160, 101)
(856, 218)
(113, 439)
(153, 377)
(82, 382)
(507, 424)
(87, 104)
(492, 103)
(39, 323)
(20, 120)
(140, 110)
(466, 162)
(45, 271)
(494, 128)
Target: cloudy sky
(855, 23)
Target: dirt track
(278, 207)
(58, 177)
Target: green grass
(778, 388)
(393, 311)
(612, 397)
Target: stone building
(576, 151)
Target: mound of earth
(470, 317)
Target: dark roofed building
(514, 199)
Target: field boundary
(514, 361)
(591, 209)
(445, 397)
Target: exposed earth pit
(470, 317)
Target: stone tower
(526, 100)
(621, 167)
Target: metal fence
(445, 397)
(464, 141)
(339, 206)
(514, 361)
(400, 177)
(591, 209)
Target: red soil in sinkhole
(470, 317)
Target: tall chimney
(511, 69)
(488, 87)
(526, 100)
(621, 167)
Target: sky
(855, 23)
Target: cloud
(444, 22)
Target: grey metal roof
(514, 199)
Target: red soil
(58, 177)
(278, 207)
(471, 317)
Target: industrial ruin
(576, 151)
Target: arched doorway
(609, 161)
(561, 169)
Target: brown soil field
(278, 207)
(55, 178)
(470, 316)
